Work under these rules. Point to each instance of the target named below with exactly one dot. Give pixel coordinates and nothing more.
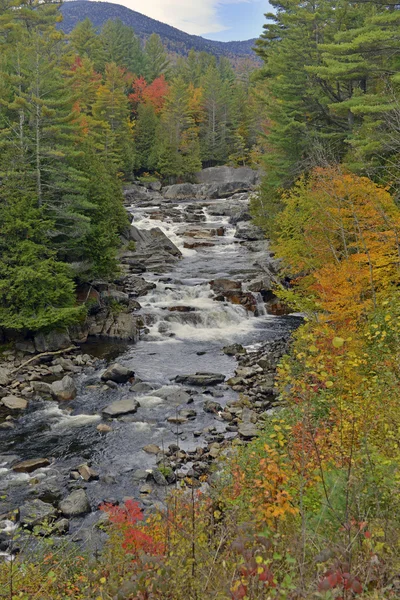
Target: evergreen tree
(121, 46)
(145, 137)
(113, 127)
(156, 61)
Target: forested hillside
(175, 41)
(78, 115)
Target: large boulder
(122, 326)
(122, 407)
(65, 389)
(226, 174)
(135, 193)
(75, 504)
(52, 341)
(180, 191)
(117, 373)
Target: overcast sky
(216, 19)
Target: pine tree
(121, 46)
(113, 127)
(145, 137)
(155, 58)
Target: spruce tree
(156, 61)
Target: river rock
(14, 402)
(64, 389)
(141, 475)
(172, 394)
(103, 428)
(36, 512)
(122, 407)
(248, 431)
(137, 286)
(159, 477)
(234, 350)
(28, 466)
(117, 373)
(201, 379)
(42, 388)
(211, 406)
(140, 388)
(77, 503)
(222, 286)
(152, 449)
(114, 296)
(87, 473)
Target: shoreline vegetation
(309, 508)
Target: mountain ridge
(174, 39)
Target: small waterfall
(261, 310)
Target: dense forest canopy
(80, 113)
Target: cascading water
(187, 329)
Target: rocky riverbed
(194, 334)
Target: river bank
(107, 437)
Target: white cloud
(193, 16)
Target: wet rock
(138, 286)
(14, 402)
(200, 379)
(212, 407)
(103, 428)
(173, 395)
(36, 512)
(77, 503)
(152, 449)
(188, 414)
(182, 309)
(221, 286)
(28, 466)
(64, 389)
(177, 420)
(117, 373)
(198, 244)
(111, 384)
(141, 475)
(87, 473)
(159, 477)
(234, 350)
(121, 407)
(141, 387)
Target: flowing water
(177, 343)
